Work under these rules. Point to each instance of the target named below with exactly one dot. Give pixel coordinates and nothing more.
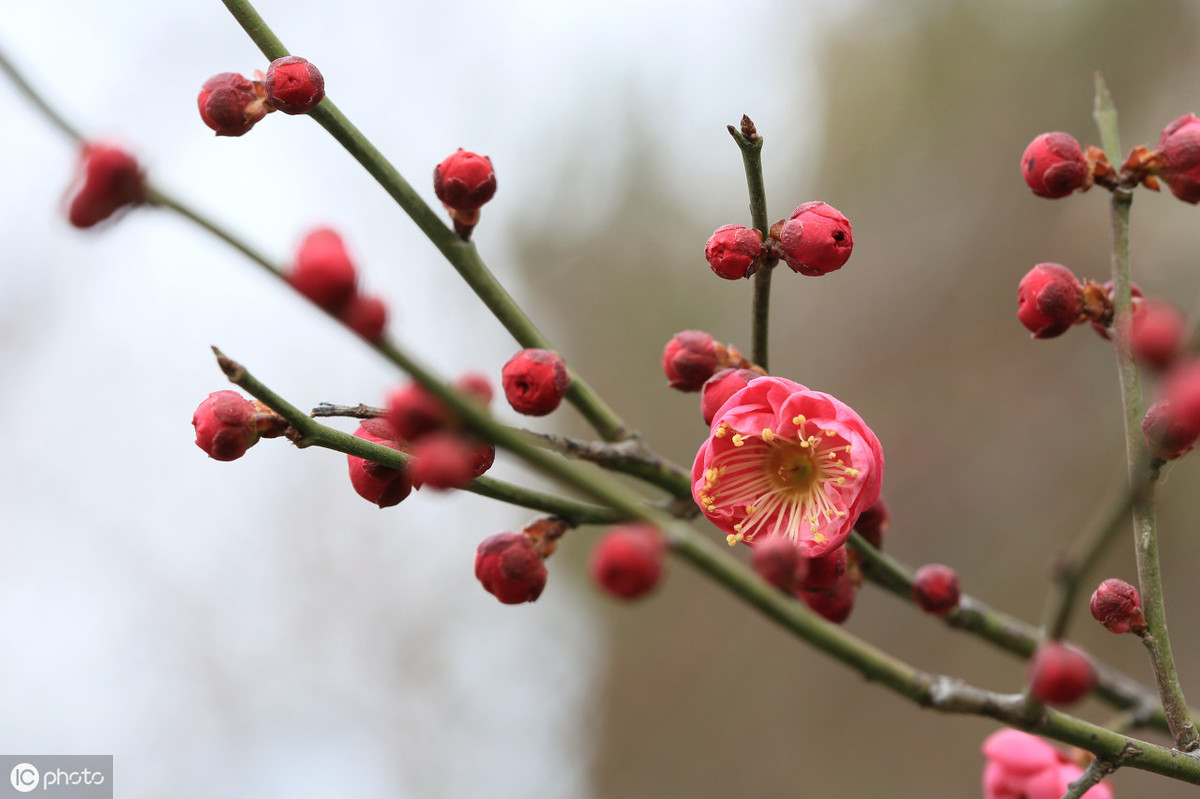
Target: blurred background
(256, 629)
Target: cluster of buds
(828, 584)
(464, 182)
(1051, 300)
(815, 240)
(232, 104)
(692, 357)
(227, 424)
(107, 179)
(627, 562)
(1054, 165)
(324, 273)
(443, 454)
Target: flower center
(791, 466)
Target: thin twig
(750, 143)
(1156, 639)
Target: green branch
(1157, 643)
(751, 144)
(461, 254)
(310, 432)
(1007, 632)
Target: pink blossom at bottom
(1023, 766)
(784, 460)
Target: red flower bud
(935, 589)
(628, 561)
(822, 573)
(1166, 437)
(720, 387)
(777, 560)
(535, 381)
(413, 412)
(509, 567)
(225, 425)
(443, 459)
(1158, 334)
(231, 104)
(734, 251)
(464, 181)
(1117, 605)
(1060, 674)
(1049, 300)
(689, 359)
(1179, 147)
(835, 604)
(382, 485)
(816, 240)
(323, 271)
(293, 85)
(1181, 387)
(874, 522)
(366, 315)
(107, 179)
(1053, 165)
(477, 386)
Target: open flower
(1023, 766)
(784, 460)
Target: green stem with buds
(461, 254)
(1007, 632)
(308, 433)
(1157, 643)
(750, 143)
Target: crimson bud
(816, 240)
(1060, 674)
(108, 178)
(935, 589)
(382, 485)
(720, 387)
(1049, 300)
(1117, 605)
(225, 425)
(535, 381)
(777, 561)
(734, 251)
(836, 604)
(366, 315)
(231, 104)
(822, 573)
(689, 359)
(1179, 147)
(464, 181)
(443, 459)
(323, 271)
(1166, 437)
(1053, 165)
(509, 567)
(874, 522)
(293, 85)
(628, 561)
(1158, 334)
